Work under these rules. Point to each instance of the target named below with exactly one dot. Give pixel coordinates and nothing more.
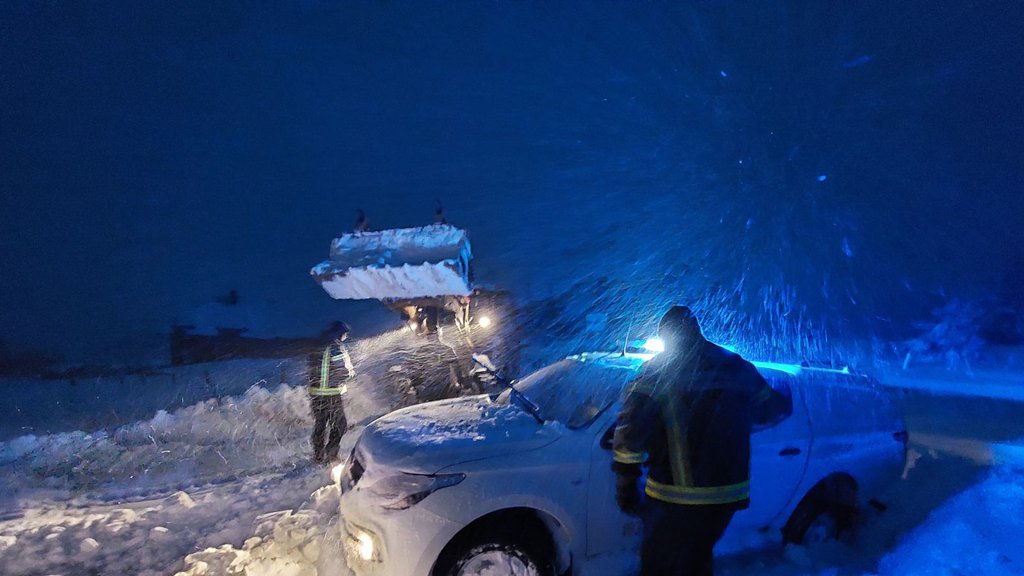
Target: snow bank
(402, 263)
(952, 515)
(48, 406)
(976, 532)
(221, 486)
(205, 442)
(146, 537)
(138, 499)
(301, 542)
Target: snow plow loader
(425, 275)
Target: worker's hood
(428, 437)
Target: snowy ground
(224, 486)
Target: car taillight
(902, 436)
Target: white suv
(521, 482)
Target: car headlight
(404, 490)
(361, 544)
(364, 546)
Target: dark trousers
(328, 412)
(679, 540)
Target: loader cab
(449, 332)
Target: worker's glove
(628, 498)
(627, 493)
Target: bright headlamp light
(404, 490)
(364, 546)
(654, 345)
(361, 545)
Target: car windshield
(573, 392)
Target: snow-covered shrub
(951, 339)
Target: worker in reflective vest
(687, 417)
(330, 368)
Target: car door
(856, 429)
(609, 531)
(779, 453)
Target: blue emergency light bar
(647, 349)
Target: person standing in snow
(330, 368)
(687, 417)
(439, 217)
(362, 222)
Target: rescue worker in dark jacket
(687, 417)
(330, 368)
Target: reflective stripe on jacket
(325, 377)
(688, 418)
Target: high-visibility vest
(323, 386)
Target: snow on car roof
(626, 361)
(634, 360)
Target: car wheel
(813, 522)
(497, 553)
(823, 529)
(823, 514)
(495, 559)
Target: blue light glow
(728, 347)
(791, 369)
(654, 345)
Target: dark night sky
(155, 155)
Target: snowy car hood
(431, 436)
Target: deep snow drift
(139, 498)
(224, 486)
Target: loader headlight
(485, 321)
(404, 490)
